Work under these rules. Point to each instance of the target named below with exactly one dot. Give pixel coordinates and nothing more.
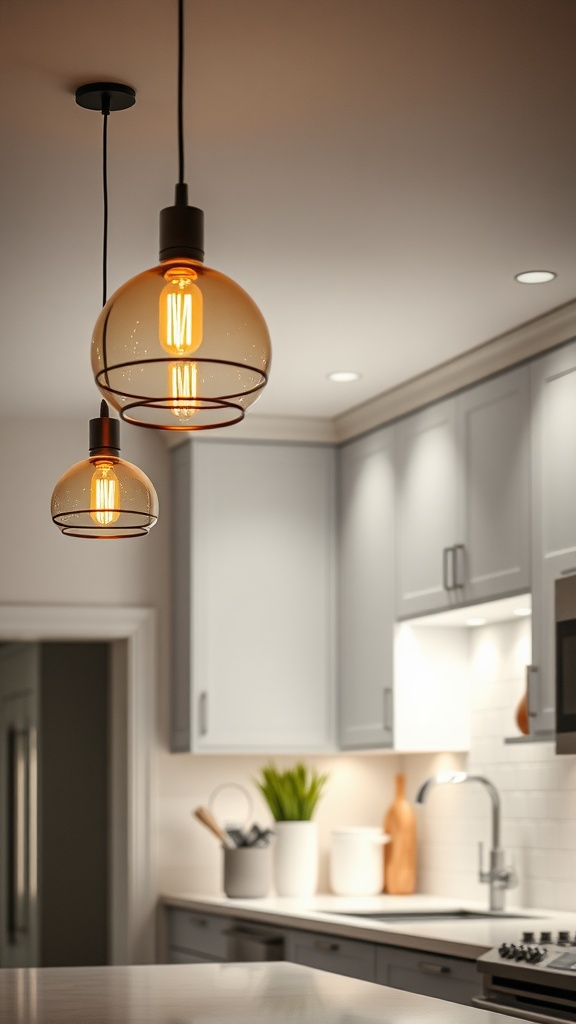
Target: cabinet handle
(198, 922)
(532, 690)
(387, 721)
(203, 713)
(448, 569)
(459, 563)
(568, 572)
(429, 968)
(327, 947)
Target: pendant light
(104, 496)
(181, 346)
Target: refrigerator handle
(22, 830)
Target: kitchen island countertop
(334, 915)
(254, 993)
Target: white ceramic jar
(357, 861)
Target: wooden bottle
(400, 852)
(522, 719)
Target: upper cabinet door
(554, 503)
(366, 591)
(256, 637)
(494, 511)
(427, 529)
(464, 498)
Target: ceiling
(374, 173)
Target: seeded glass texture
(81, 509)
(215, 379)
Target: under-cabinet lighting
(521, 612)
(476, 622)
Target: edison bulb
(183, 387)
(180, 314)
(104, 494)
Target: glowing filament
(104, 495)
(180, 322)
(183, 386)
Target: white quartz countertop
(254, 993)
(334, 915)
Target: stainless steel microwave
(565, 615)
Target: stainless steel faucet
(499, 876)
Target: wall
(359, 790)
(538, 789)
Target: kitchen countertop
(333, 915)
(252, 993)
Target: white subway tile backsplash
(537, 789)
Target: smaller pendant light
(104, 496)
(181, 346)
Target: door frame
(132, 635)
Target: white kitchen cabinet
(351, 957)
(253, 603)
(554, 504)
(463, 498)
(428, 974)
(366, 591)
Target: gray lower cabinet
(195, 938)
(351, 957)
(428, 974)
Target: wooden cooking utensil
(207, 818)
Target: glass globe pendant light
(181, 346)
(104, 496)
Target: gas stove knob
(534, 955)
(510, 955)
(563, 938)
(545, 937)
(504, 949)
(520, 953)
(527, 936)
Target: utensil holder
(248, 872)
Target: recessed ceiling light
(522, 611)
(476, 622)
(343, 376)
(535, 276)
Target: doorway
(130, 636)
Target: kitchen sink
(430, 915)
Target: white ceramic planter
(295, 858)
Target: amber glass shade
(211, 384)
(105, 497)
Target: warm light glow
(104, 494)
(522, 612)
(475, 621)
(180, 314)
(343, 376)
(183, 386)
(535, 276)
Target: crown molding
(494, 356)
(500, 353)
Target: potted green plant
(292, 796)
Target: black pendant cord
(106, 114)
(180, 92)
